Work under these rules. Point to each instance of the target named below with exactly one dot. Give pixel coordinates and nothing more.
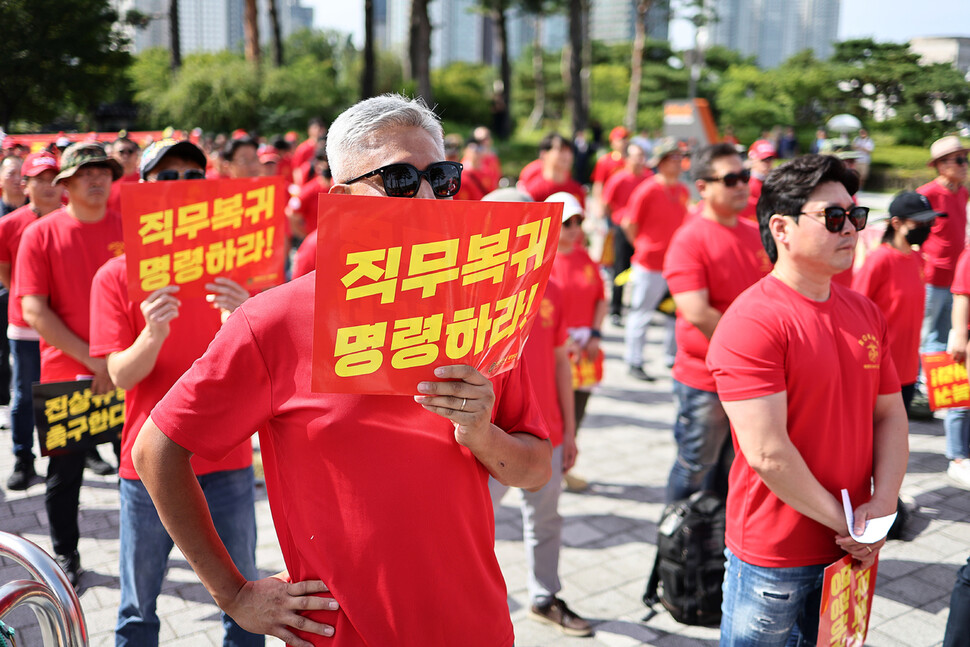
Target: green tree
(57, 56)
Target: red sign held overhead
(188, 233)
(404, 286)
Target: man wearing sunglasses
(147, 347)
(383, 499)
(803, 371)
(126, 152)
(58, 256)
(711, 260)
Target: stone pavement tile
(909, 630)
(916, 593)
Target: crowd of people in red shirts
(698, 243)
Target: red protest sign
(188, 233)
(847, 593)
(946, 381)
(404, 286)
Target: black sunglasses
(404, 180)
(573, 221)
(959, 161)
(171, 174)
(835, 217)
(731, 179)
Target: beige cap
(944, 146)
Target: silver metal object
(49, 594)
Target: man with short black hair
(241, 156)
(553, 172)
(711, 260)
(803, 370)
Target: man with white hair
(382, 501)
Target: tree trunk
(369, 73)
(251, 31)
(419, 48)
(636, 65)
(576, 65)
(274, 21)
(538, 77)
(587, 60)
(503, 107)
(175, 40)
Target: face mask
(918, 235)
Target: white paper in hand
(876, 529)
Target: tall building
(459, 33)
(209, 25)
(773, 30)
(612, 21)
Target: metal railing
(49, 594)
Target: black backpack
(690, 560)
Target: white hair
(356, 131)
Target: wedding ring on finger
(463, 401)
(869, 549)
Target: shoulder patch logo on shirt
(871, 344)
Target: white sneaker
(959, 471)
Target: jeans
(26, 371)
(936, 319)
(770, 607)
(541, 530)
(958, 624)
(956, 427)
(145, 547)
(648, 289)
(701, 431)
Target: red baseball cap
(269, 157)
(37, 163)
(9, 143)
(762, 150)
(619, 133)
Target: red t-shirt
(490, 170)
(948, 236)
(539, 188)
(725, 261)
(578, 276)
(658, 210)
(548, 333)
(369, 493)
(472, 185)
(310, 199)
(58, 258)
(306, 255)
(530, 170)
(618, 189)
(114, 197)
(832, 361)
(115, 324)
(894, 281)
(606, 166)
(303, 154)
(11, 230)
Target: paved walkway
(626, 452)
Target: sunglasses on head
(731, 179)
(403, 180)
(573, 221)
(170, 174)
(835, 217)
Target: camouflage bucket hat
(84, 154)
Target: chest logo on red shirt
(117, 247)
(871, 344)
(546, 313)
